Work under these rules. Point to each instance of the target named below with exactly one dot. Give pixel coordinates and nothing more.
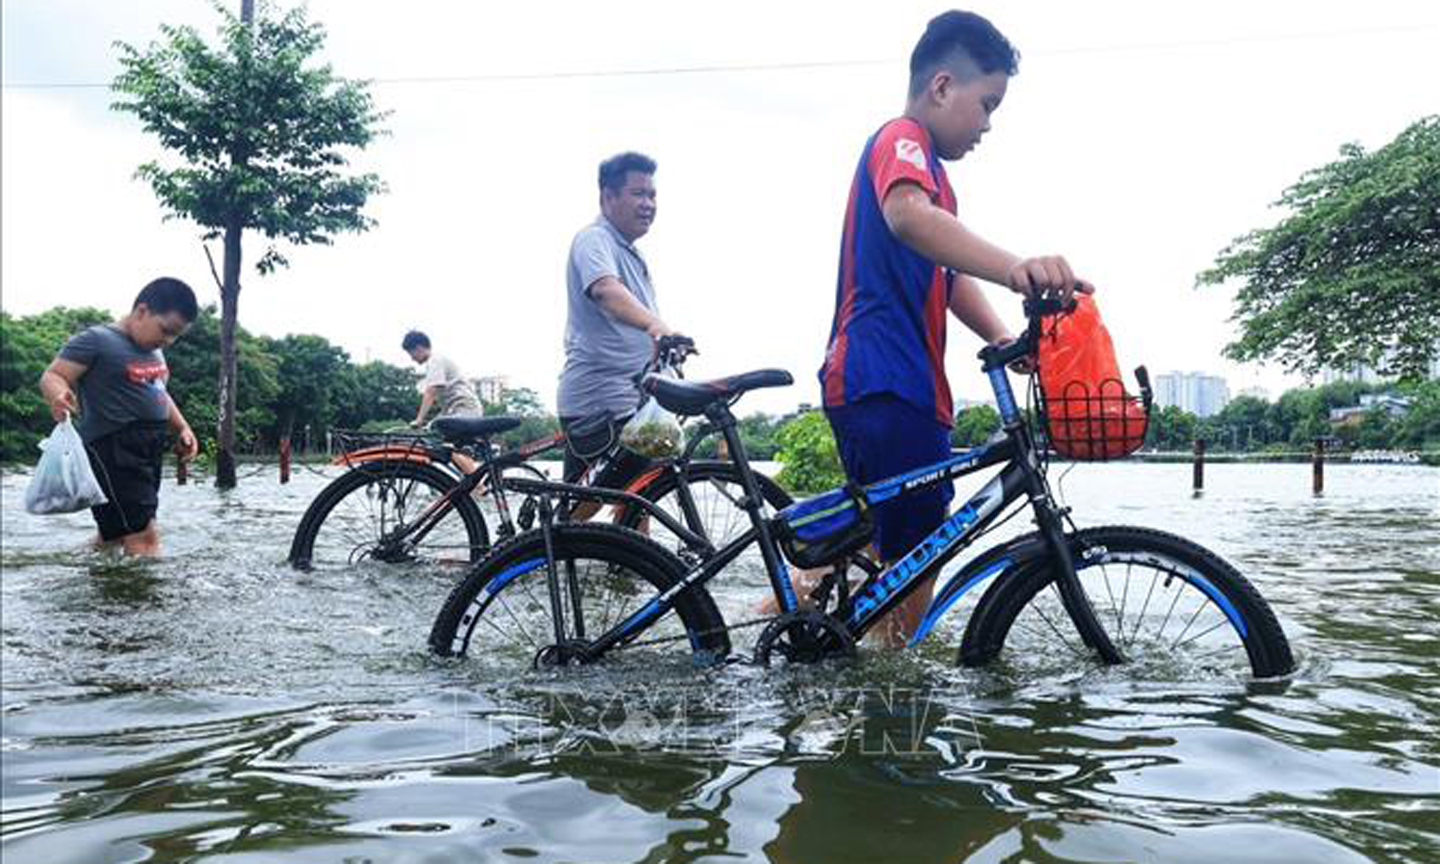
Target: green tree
(1243, 421)
(310, 372)
(1171, 428)
(262, 135)
(27, 345)
(375, 392)
(1351, 274)
(194, 384)
(1420, 427)
(974, 426)
(809, 455)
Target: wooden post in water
(285, 459)
(1318, 467)
(1199, 483)
(182, 471)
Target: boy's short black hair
(166, 295)
(955, 34)
(614, 169)
(415, 339)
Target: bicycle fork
(1072, 593)
(552, 581)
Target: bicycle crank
(804, 636)
(571, 652)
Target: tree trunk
(229, 361)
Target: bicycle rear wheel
(364, 514)
(1169, 605)
(500, 614)
(716, 490)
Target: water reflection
(217, 703)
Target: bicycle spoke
(1140, 619)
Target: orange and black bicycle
(404, 499)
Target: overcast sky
(1137, 140)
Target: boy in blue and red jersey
(905, 259)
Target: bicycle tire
(510, 587)
(717, 505)
(1223, 622)
(360, 506)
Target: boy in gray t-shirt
(124, 410)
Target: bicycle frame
(1022, 477)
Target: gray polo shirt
(602, 354)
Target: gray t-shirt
(124, 384)
(457, 395)
(602, 354)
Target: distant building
(1199, 394)
(1366, 374)
(1256, 393)
(491, 389)
(1395, 406)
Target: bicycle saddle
(461, 429)
(693, 397)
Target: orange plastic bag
(1088, 414)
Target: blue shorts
(882, 436)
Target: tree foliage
(262, 134)
(1351, 274)
(974, 426)
(809, 455)
(293, 382)
(27, 345)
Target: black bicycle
(576, 593)
(404, 498)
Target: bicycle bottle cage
(827, 528)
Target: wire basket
(345, 441)
(1093, 425)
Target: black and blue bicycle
(577, 592)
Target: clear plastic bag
(63, 481)
(653, 432)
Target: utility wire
(721, 68)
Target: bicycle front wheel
(1170, 605)
(501, 613)
(368, 513)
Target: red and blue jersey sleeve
(901, 153)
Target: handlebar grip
(1047, 305)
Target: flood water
(218, 706)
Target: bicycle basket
(351, 440)
(1087, 413)
(1093, 425)
(824, 529)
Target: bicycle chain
(754, 622)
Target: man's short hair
(955, 35)
(415, 339)
(614, 169)
(165, 295)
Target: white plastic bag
(653, 432)
(63, 481)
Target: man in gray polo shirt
(612, 318)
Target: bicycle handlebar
(670, 352)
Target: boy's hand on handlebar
(1023, 366)
(1046, 274)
